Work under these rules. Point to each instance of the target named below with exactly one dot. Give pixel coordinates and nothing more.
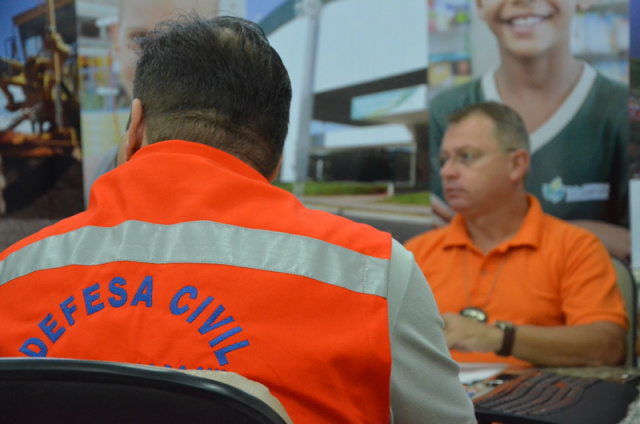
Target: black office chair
(628, 288)
(44, 390)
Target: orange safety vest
(188, 258)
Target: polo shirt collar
(529, 233)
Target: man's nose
(449, 168)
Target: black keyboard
(544, 397)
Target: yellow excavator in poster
(41, 88)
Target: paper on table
(470, 372)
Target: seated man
(188, 257)
(513, 284)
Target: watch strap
(508, 338)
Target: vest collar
(181, 147)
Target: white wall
(382, 135)
(364, 40)
(358, 41)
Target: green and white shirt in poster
(580, 156)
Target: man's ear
(135, 138)
(274, 173)
(480, 10)
(113, 36)
(519, 161)
(583, 5)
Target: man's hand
(442, 213)
(468, 335)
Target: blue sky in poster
(634, 21)
(8, 9)
(258, 9)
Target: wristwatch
(508, 338)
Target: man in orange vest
(187, 257)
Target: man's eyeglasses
(467, 157)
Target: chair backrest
(47, 390)
(627, 285)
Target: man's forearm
(597, 344)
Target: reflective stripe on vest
(202, 242)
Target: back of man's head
(217, 82)
(510, 130)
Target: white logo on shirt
(556, 191)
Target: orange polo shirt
(550, 273)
